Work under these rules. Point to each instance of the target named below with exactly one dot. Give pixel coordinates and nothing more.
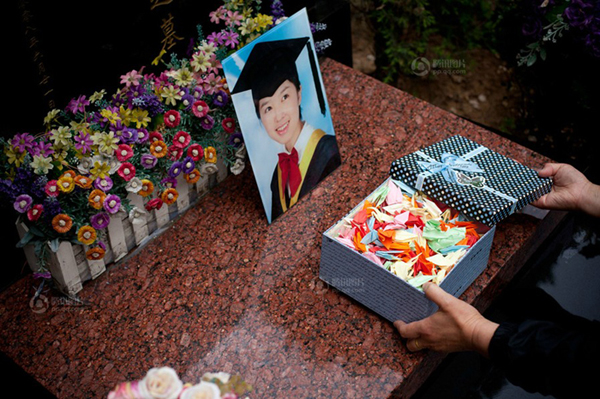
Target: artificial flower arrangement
(66, 182)
(550, 20)
(164, 383)
(411, 235)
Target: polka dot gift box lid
(480, 183)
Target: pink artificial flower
(182, 139)
(123, 152)
(131, 78)
(51, 188)
(200, 108)
(172, 118)
(212, 83)
(155, 203)
(229, 125)
(156, 136)
(126, 171)
(174, 152)
(196, 152)
(35, 212)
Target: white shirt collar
(301, 143)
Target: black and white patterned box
(482, 184)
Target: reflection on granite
(224, 291)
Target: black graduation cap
(272, 63)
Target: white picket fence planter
(69, 265)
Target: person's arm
(571, 190)
(456, 326)
(547, 357)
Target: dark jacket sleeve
(549, 357)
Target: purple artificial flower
(42, 148)
(100, 220)
(236, 139)
(215, 38)
(188, 100)
(188, 165)
(579, 13)
(148, 161)
(277, 9)
(152, 104)
(198, 92)
(207, 122)
(38, 188)
(118, 128)
(22, 142)
(532, 28)
(230, 38)
(45, 275)
(129, 135)
(175, 169)
(169, 182)
(103, 183)
(112, 204)
(23, 203)
(83, 142)
(592, 42)
(77, 104)
(142, 135)
(220, 98)
(51, 207)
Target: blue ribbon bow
(449, 164)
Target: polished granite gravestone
(223, 290)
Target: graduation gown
(320, 158)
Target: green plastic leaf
(26, 239)
(54, 244)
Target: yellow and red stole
(311, 145)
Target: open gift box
(434, 197)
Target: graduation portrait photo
(280, 102)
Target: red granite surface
(224, 291)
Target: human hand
(456, 326)
(571, 190)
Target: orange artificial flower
(210, 154)
(62, 223)
(158, 148)
(95, 253)
(86, 235)
(169, 196)
(147, 188)
(96, 198)
(192, 177)
(69, 173)
(82, 181)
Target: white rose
(223, 377)
(161, 383)
(237, 167)
(137, 216)
(204, 390)
(209, 169)
(84, 166)
(134, 185)
(241, 152)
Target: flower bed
(110, 170)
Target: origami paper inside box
(483, 201)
